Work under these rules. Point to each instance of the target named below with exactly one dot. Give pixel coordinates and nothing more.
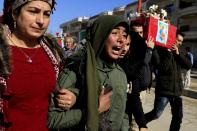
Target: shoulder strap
(52, 57)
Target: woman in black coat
(136, 64)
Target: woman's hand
(65, 99)
(104, 101)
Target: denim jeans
(176, 109)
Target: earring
(14, 24)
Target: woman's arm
(61, 114)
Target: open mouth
(116, 48)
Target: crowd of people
(95, 86)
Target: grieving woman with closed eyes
(29, 65)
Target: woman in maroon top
(29, 66)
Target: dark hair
(180, 33)
(135, 23)
(7, 14)
(188, 49)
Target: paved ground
(189, 110)
(194, 81)
(163, 123)
(192, 91)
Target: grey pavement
(193, 80)
(189, 109)
(163, 123)
(192, 91)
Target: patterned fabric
(3, 86)
(18, 3)
(4, 96)
(2, 83)
(52, 57)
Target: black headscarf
(135, 58)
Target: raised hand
(150, 43)
(175, 48)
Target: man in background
(70, 45)
(169, 86)
(138, 28)
(187, 73)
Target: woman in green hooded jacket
(103, 84)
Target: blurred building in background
(181, 13)
(1, 16)
(76, 27)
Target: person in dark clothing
(169, 63)
(139, 73)
(133, 64)
(187, 73)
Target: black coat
(133, 64)
(168, 67)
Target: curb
(190, 93)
